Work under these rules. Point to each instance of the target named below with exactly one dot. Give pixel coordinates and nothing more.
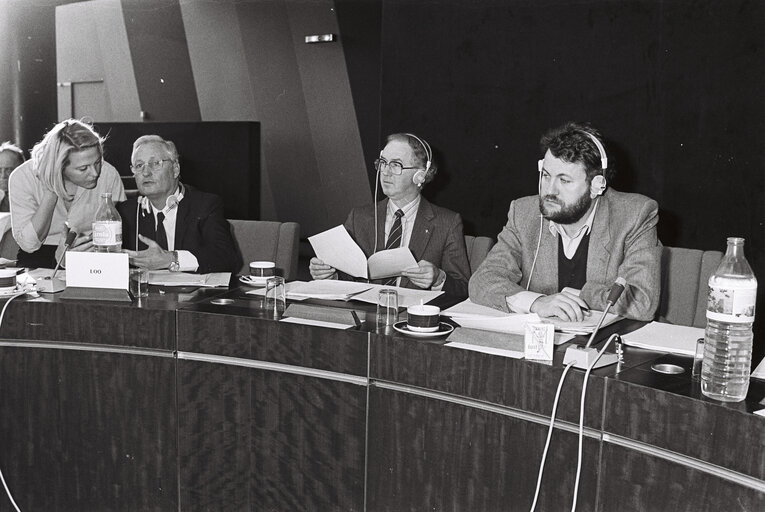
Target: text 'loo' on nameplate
(97, 270)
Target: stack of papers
(330, 289)
(336, 248)
(327, 289)
(675, 339)
(167, 278)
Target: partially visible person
(406, 219)
(178, 227)
(11, 156)
(561, 251)
(60, 185)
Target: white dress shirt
(187, 261)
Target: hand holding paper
(336, 248)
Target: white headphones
(170, 203)
(420, 176)
(598, 184)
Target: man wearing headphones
(406, 219)
(179, 228)
(561, 251)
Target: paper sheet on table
(406, 296)
(500, 344)
(586, 326)
(468, 308)
(676, 339)
(328, 289)
(167, 278)
(336, 248)
(759, 372)
(318, 323)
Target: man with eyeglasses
(406, 219)
(11, 157)
(178, 227)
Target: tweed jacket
(623, 243)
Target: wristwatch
(175, 266)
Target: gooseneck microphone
(586, 357)
(70, 238)
(616, 291)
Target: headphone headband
(426, 147)
(601, 149)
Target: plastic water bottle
(107, 226)
(730, 313)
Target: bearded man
(561, 251)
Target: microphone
(616, 291)
(586, 357)
(139, 203)
(70, 238)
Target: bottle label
(732, 302)
(107, 233)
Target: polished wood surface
(88, 430)
(180, 403)
(434, 455)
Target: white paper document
(336, 248)
(586, 326)
(328, 289)
(406, 296)
(675, 339)
(759, 372)
(318, 323)
(167, 278)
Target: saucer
(443, 330)
(253, 280)
(7, 293)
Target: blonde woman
(60, 185)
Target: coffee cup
(7, 279)
(422, 318)
(262, 268)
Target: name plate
(538, 341)
(97, 270)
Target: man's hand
(564, 305)
(320, 270)
(153, 258)
(422, 275)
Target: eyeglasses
(152, 165)
(395, 168)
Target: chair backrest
(477, 248)
(684, 277)
(9, 249)
(260, 240)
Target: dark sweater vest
(573, 272)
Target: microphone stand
(587, 356)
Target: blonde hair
(51, 155)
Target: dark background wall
(676, 87)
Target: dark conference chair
(260, 240)
(477, 248)
(684, 277)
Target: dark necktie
(394, 241)
(161, 237)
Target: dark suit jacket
(437, 237)
(200, 228)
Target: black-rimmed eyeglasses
(394, 167)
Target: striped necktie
(394, 240)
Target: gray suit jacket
(623, 243)
(437, 237)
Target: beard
(568, 213)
